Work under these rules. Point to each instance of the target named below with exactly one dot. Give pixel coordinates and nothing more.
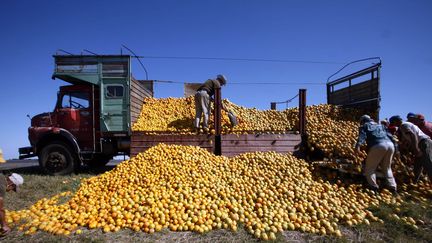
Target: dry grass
(38, 186)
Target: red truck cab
(62, 138)
(92, 118)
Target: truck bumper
(26, 152)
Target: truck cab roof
(91, 69)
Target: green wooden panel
(115, 113)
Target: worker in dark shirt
(7, 183)
(202, 100)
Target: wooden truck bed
(232, 144)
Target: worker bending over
(381, 147)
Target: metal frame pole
(302, 111)
(218, 121)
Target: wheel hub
(56, 161)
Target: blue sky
(332, 33)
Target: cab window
(114, 91)
(75, 100)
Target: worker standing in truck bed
(203, 97)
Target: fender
(48, 134)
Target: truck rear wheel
(57, 159)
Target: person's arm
(408, 132)
(224, 107)
(214, 85)
(361, 138)
(395, 142)
(404, 143)
(417, 150)
(418, 168)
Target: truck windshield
(75, 100)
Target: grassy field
(38, 186)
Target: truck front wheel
(57, 159)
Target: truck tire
(57, 159)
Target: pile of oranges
(186, 188)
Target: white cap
(16, 179)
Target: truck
(93, 115)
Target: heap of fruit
(185, 188)
(176, 115)
(331, 130)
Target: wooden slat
(261, 137)
(359, 95)
(262, 140)
(135, 151)
(138, 97)
(141, 141)
(141, 91)
(141, 136)
(137, 102)
(137, 94)
(136, 105)
(135, 112)
(141, 86)
(272, 143)
(151, 144)
(357, 92)
(154, 142)
(256, 148)
(362, 85)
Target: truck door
(115, 97)
(74, 114)
(114, 107)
